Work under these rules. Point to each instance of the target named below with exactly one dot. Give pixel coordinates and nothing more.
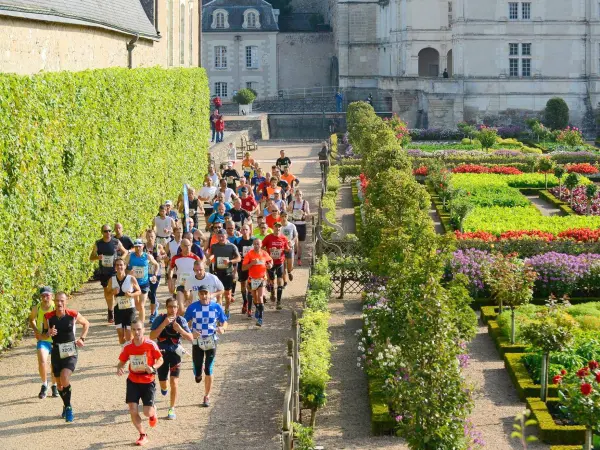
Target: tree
(571, 182)
(467, 130)
(460, 208)
(244, 96)
(590, 192)
(558, 173)
(545, 165)
(487, 136)
(556, 114)
(283, 6)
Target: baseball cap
(138, 243)
(221, 231)
(203, 288)
(46, 290)
(169, 203)
(229, 164)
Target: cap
(229, 164)
(221, 231)
(138, 243)
(169, 203)
(46, 290)
(203, 288)
(277, 224)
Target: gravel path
(544, 206)
(247, 396)
(435, 217)
(344, 209)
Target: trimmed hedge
(501, 342)
(349, 171)
(357, 213)
(488, 313)
(549, 431)
(82, 149)
(382, 423)
(522, 380)
(563, 206)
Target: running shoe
(250, 314)
(290, 276)
(152, 317)
(69, 415)
(152, 421)
(43, 390)
(165, 392)
(54, 391)
(171, 414)
(299, 262)
(259, 322)
(110, 317)
(256, 314)
(206, 402)
(142, 440)
(227, 313)
(62, 416)
(198, 378)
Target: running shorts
(44, 345)
(301, 229)
(203, 357)
(124, 317)
(140, 391)
(171, 364)
(242, 274)
(226, 278)
(58, 363)
(276, 271)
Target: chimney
(276, 14)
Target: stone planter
(245, 110)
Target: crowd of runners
(242, 227)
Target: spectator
(213, 119)
(338, 101)
(220, 127)
(445, 74)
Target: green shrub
(317, 300)
(82, 149)
(349, 171)
(303, 437)
(320, 283)
(321, 266)
(315, 358)
(244, 96)
(556, 114)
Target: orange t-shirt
(289, 178)
(271, 191)
(257, 271)
(148, 353)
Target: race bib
(255, 283)
(183, 277)
(246, 249)
(125, 302)
(230, 180)
(297, 214)
(275, 253)
(206, 343)
(221, 264)
(67, 349)
(108, 260)
(138, 271)
(138, 363)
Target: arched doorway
(449, 63)
(429, 63)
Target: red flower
(584, 168)
(563, 372)
(580, 234)
(557, 379)
(593, 365)
(586, 389)
(598, 377)
(420, 171)
(583, 372)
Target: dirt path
(344, 209)
(544, 206)
(250, 374)
(437, 222)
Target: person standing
(60, 326)
(44, 344)
(207, 320)
(445, 74)
(106, 251)
(144, 358)
(220, 127)
(213, 119)
(338, 101)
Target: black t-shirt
(126, 241)
(65, 326)
(239, 215)
(108, 249)
(285, 161)
(168, 338)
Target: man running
(256, 262)
(283, 161)
(170, 211)
(202, 278)
(167, 330)
(244, 245)
(172, 250)
(291, 180)
(144, 358)
(249, 204)
(106, 250)
(125, 289)
(163, 226)
(262, 230)
(239, 215)
(138, 264)
(256, 182)
(225, 256)
(289, 230)
(224, 189)
(300, 211)
(231, 176)
(184, 264)
(277, 245)
(44, 344)
(60, 326)
(207, 319)
(123, 238)
(159, 255)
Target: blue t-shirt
(228, 206)
(216, 218)
(139, 265)
(205, 318)
(169, 338)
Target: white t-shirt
(228, 193)
(290, 232)
(215, 179)
(208, 192)
(210, 281)
(173, 247)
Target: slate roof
(236, 9)
(125, 16)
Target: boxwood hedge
(80, 149)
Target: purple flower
(470, 262)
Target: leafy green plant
(571, 182)
(460, 208)
(72, 141)
(244, 96)
(559, 173)
(590, 193)
(303, 437)
(556, 114)
(570, 137)
(469, 131)
(545, 165)
(522, 421)
(487, 136)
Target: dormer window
(220, 20)
(251, 19)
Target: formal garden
(517, 242)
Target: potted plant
(244, 98)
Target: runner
(105, 251)
(172, 250)
(244, 245)
(202, 278)
(196, 249)
(256, 181)
(228, 193)
(289, 230)
(225, 255)
(163, 226)
(231, 176)
(193, 207)
(184, 264)
(243, 184)
(167, 330)
(283, 161)
(144, 358)
(124, 239)
(170, 211)
(60, 326)
(219, 215)
(214, 176)
(272, 187)
(207, 195)
(276, 244)
(138, 264)
(278, 202)
(262, 230)
(249, 203)
(248, 165)
(291, 180)
(158, 253)
(300, 212)
(204, 318)
(125, 288)
(239, 215)
(221, 199)
(256, 262)
(44, 344)
(232, 234)
(273, 217)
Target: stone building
(504, 58)
(76, 35)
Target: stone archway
(449, 63)
(429, 62)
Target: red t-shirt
(136, 354)
(271, 220)
(276, 246)
(248, 203)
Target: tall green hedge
(80, 149)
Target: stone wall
(304, 59)
(256, 126)
(304, 126)
(219, 154)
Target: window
(526, 67)
(220, 89)
(513, 67)
(526, 11)
(182, 34)
(220, 57)
(526, 49)
(513, 11)
(251, 85)
(251, 57)
(251, 20)
(219, 20)
(449, 13)
(513, 49)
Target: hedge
(81, 149)
(522, 380)
(501, 342)
(488, 313)
(382, 423)
(549, 431)
(349, 171)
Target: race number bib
(206, 343)
(125, 302)
(183, 277)
(275, 253)
(138, 363)
(138, 271)
(108, 260)
(297, 214)
(230, 180)
(67, 349)
(255, 283)
(221, 264)
(246, 249)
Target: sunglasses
(106, 231)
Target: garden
(520, 226)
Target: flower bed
(581, 168)
(549, 431)
(475, 168)
(580, 201)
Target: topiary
(556, 114)
(244, 96)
